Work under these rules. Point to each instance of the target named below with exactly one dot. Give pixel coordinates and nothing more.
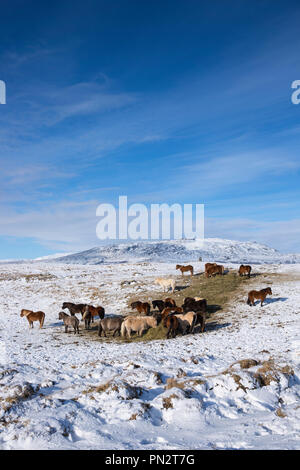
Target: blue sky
(163, 101)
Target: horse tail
(85, 313)
(248, 301)
(123, 329)
(42, 320)
(193, 322)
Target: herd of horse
(176, 319)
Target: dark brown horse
(141, 307)
(74, 308)
(184, 269)
(172, 323)
(245, 269)
(160, 304)
(194, 305)
(201, 320)
(169, 302)
(258, 295)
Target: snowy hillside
(212, 249)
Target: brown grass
(269, 372)
(173, 383)
(167, 401)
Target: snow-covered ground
(61, 391)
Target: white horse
(165, 283)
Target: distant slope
(212, 249)
(51, 257)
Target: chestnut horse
(184, 269)
(33, 316)
(209, 265)
(169, 310)
(213, 270)
(141, 307)
(245, 269)
(94, 312)
(90, 312)
(260, 295)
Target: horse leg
(66, 328)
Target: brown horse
(260, 295)
(184, 269)
(213, 270)
(94, 312)
(141, 307)
(209, 265)
(172, 323)
(245, 269)
(33, 316)
(90, 313)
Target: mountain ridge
(211, 249)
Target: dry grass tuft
(247, 363)
(167, 401)
(280, 413)
(171, 383)
(269, 372)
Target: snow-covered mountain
(212, 249)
